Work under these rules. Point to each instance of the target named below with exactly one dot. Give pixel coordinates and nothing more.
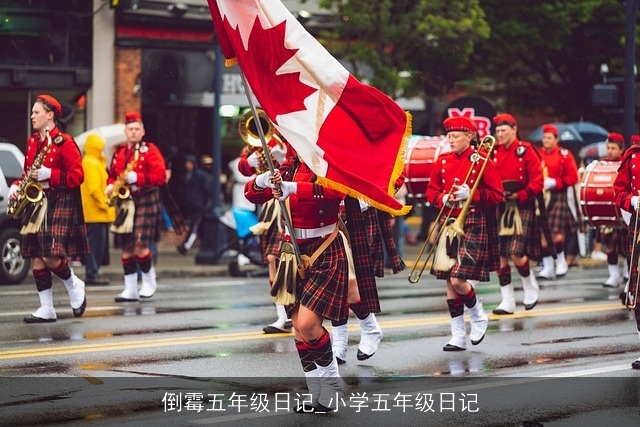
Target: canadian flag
(352, 136)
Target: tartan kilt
(324, 290)
(146, 222)
(271, 240)
(560, 218)
(366, 246)
(475, 260)
(63, 233)
(527, 243)
(613, 241)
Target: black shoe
(122, 299)
(340, 361)
(77, 312)
(288, 324)
(636, 364)
(529, 306)
(34, 319)
(363, 356)
(450, 347)
(270, 329)
(181, 250)
(501, 312)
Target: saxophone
(121, 189)
(29, 190)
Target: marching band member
(62, 234)
(614, 240)
(626, 189)
(139, 165)
(369, 230)
(322, 294)
(518, 163)
(561, 174)
(477, 254)
(271, 234)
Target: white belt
(310, 233)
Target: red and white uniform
(520, 163)
(150, 166)
(560, 166)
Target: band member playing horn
(140, 167)
(62, 233)
(270, 228)
(518, 163)
(322, 293)
(454, 178)
(614, 239)
(561, 174)
(626, 188)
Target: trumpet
(454, 230)
(247, 128)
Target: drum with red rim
(418, 162)
(597, 196)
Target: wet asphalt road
(117, 364)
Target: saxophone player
(142, 167)
(63, 233)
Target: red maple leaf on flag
(279, 93)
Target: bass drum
(597, 196)
(418, 163)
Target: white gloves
(549, 183)
(44, 173)
(13, 190)
(132, 177)
(287, 188)
(462, 193)
(108, 190)
(445, 199)
(634, 201)
(254, 160)
(279, 153)
(264, 180)
(363, 205)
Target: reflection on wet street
(201, 330)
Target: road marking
(217, 338)
(585, 372)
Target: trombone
(248, 130)
(631, 289)
(456, 228)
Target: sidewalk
(171, 264)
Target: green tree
(546, 55)
(431, 39)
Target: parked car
(13, 268)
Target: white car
(13, 268)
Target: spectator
(98, 215)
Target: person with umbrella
(560, 173)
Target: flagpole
(272, 169)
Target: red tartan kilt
(473, 253)
(64, 233)
(527, 243)
(613, 242)
(560, 218)
(146, 223)
(324, 290)
(271, 241)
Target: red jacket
(520, 163)
(63, 158)
(313, 206)
(150, 166)
(450, 166)
(561, 166)
(627, 182)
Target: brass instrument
(456, 229)
(121, 190)
(631, 288)
(29, 191)
(249, 134)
